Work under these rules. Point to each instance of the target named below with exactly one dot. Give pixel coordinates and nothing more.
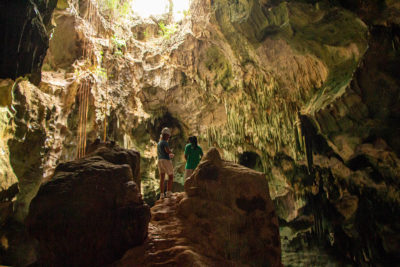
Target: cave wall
(25, 35)
(311, 88)
(27, 114)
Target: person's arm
(169, 151)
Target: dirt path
(166, 244)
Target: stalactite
(307, 133)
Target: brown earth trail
(167, 244)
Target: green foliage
(124, 9)
(185, 13)
(46, 67)
(101, 72)
(108, 4)
(99, 57)
(62, 4)
(119, 45)
(118, 8)
(167, 30)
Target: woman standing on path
(193, 154)
(164, 162)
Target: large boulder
(229, 212)
(91, 211)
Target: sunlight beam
(146, 8)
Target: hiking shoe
(162, 195)
(169, 194)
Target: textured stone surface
(167, 244)
(65, 46)
(229, 212)
(31, 128)
(312, 88)
(91, 211)
(6, 172)
(225, 217)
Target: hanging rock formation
(91, 211)
(309, 89)
(25, 37)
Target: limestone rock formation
(225, 217)
(33, 126)
(309, 89)
(8, 176)
(228, 210)
(91, 211)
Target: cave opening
(166, 119)
(251, 160)
(145, 8)
(176, 10)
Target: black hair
(193, 141)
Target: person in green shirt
(193, 154)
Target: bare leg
(170, 181)
(162, 176)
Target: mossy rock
(217, 63)
(5, 93)
(62, 4)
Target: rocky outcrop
(228, 211)
(91, 211)
(65, 46)
(346, 133)
(33, 125)
(8, 176)
(225, 217)
(27, 117)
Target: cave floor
(166, 244)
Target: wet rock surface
(91, 211)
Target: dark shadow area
(154, 127)
(251, 160)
